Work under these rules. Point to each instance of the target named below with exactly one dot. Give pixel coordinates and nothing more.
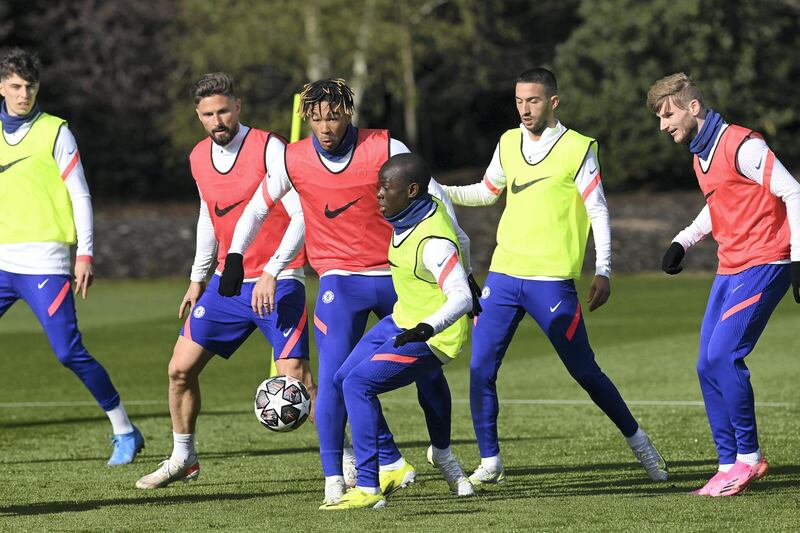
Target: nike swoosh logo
(737, 288)
(442, 262)
(222, 212)
(3, 168)
(709, 194)
(758, 166)
(519, 188)
(593, 170)
(72, 152)
(287, 332)
(333, 213)
(42, 284)
(553, 309)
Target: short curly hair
(24, 64)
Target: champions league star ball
(282, 403)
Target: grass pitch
(568, 468)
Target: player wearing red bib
(753, 212)
(229, 167)
(335, 173)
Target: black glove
(419, 333)
(671, 264)
(796, 280)
(476, 291)
(230, 283)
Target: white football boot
(349, 467)
(452, 473)
(169, 472)
(651, 460)
(334, 490)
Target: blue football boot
(126, 446)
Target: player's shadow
(100, 418)
(47, 508)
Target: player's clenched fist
(671, 264)
(419, 333)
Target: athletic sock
(493, 464)
(120, 422)
(400, 463)
(370, 490)
(749, 458)
(725, 468)
(331, 479)
(637, 439)
(440, 454)
(183, 450)
(348, 455)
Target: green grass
(568, 468)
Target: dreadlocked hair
(332, 90)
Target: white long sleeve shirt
(278, 185)
(293, 238)
(782, 184)
(488, 191)
(54, 257)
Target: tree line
(438, 73)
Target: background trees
(439, 73)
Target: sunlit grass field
(568, 468)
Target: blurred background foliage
(438, 73)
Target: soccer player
(753, 212)
(229, 167)
(45, 207)
(335, 173)
(555, 195)
(427, 327)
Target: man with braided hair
(335, 173)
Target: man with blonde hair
(753, 212)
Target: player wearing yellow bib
(427, 328)
(555, 197)
(45, 207)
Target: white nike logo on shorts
(42, 284)
(553, 309)
(287, 332)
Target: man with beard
(229, 167)
(555, 196)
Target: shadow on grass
(46, 508)
(272, 452)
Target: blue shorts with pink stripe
(220, 324)
(739, 307)
(50, 298)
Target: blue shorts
(221, 324)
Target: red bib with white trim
(749, 222)
(228, 193)
(344, 228)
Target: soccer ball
(282, 403)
